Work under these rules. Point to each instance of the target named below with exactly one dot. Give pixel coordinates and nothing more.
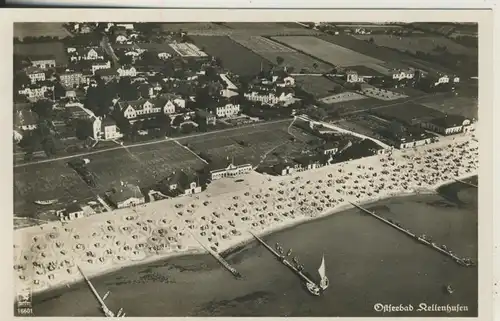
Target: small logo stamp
(23, 303)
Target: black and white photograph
(245, 169)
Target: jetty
(283, 260)
(460, 261)
(466, 183)
(219, 258)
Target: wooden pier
(421, 240)
(466, 183)
(219, 258)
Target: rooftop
(449, 121)
(364, 71)
(125, 192)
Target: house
(407, 136)
(87, 54)
(71, 79)
(271, 98)
(125, 71)
(73, 211)
(100, 65)
(229, 84)
(126, 195)
(285, 168)
(286, 82)
(226, 109)
(448, 124)
(204, 117)
(358, 74)
(400, 74)
(43, 61)
(105, 129)
(126, 26)
(106, 74)
(150, 107)
(121, 39)
(35, 74)
(227, 168)
(36, 91)
(181, 183)
(164, 55)
(330, 148)
(25, 119)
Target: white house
(127, 26)
(149, 107)
(43, 62)
(101, 65)
(401, 74)
(127, 72)
(271, 98)
(126, 195)
(448, 125)
(105, 129)
(164, 55)
(287, 82)
(121, 39)
(227, 110)
(218, 170)
(35, 74)
(35, 91)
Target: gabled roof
(448, 121)
(73, 208)
(124, 193)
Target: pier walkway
(457, 259)
(466, 183)
(219, 258)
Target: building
(400, 74)
(126, 26)
(106, 74)
(126, 195)
(106, 129)
(164, 55)
(71, 79)
(100, 65)
(285, 168)
(43, 61)
(151, 107)
(72, 212)
(35, 92)
(225, 109)
(271, 98)
(448, 124)
(25, 119)
(359, 74)
(121, 39)
(181, 183)
(35, 74)
(204, 117)
(330, 148)
(125, 71)
(227, 168)
(402, 136)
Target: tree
(83, 129)
(279, 60)
(43, 108)
(178, 120)
(315, 66)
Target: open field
(261, 140)
(413, 44)
(142, 165)
(381, 94)
(327, 51)
(270, 50)
(234, 56)
(191, 27)
(381, 53)
(40, 29)
(408, 113)
(465, 106)
(342, 97)
(46, 182)
(55, 49)
(317, 86)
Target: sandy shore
(45, 257)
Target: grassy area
(234, 56)
(413, 44)
(465, 106)
(327, 51)
(55, 49)
(319, 87)
(40, 29)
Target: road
(151, 143)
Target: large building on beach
(126, 195)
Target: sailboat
(317, 289)
(45, 202)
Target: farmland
(43, 29)
(426, 44)
(465, 106)
(141, 165)
(55, 49)
(270, 50)
(259, 141)
(234, 56)
(317, 86)
(326, 51)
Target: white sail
(322, 268)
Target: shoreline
(228, 247)
(234, 248)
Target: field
(191, 26)
(55, 49)
(384, 54)
(317, 86)
(234, 56)
(413, 44)
(382, 94)
(326, 51)
(270, 50)
(35, 29)
(408, 112)
(467, 107)
(342, 97)
(260, 140)
(187, 50)
(355, 106)
(143, 165)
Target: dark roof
(124, 193)
(222, 163)
(448, 121)
(364, 71)
(330, 145)
(73, 207)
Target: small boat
(46, 202)
(289, 252)
(449, 289)
(324, 282)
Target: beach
(45, 257)
(367, 262)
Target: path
(189, 150)
(149, 143)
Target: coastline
(227, 247)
